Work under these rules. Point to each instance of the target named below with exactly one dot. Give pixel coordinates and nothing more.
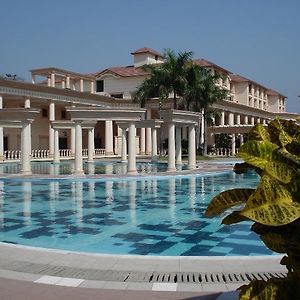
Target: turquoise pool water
(147, 216)
(96, 167)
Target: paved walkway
(65, 274)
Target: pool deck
(37, 273)
(135, 275)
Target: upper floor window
(100, 86)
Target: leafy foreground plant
(274, 206)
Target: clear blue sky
(259, 39)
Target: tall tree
(201, 92)
(166, 78)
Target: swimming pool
(96, 167)
(146, 216)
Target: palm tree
(201, 92)
(165, 79)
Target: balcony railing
(11, 155)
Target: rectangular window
(100, 86)
(44, 112)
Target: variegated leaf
(233, 218)
(259, 133)
(271, 204)
(226, 200)
(280, 171)
(257, 153)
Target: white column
(238, 119)
(178, 146)
(124, 146)
(131, 150)
(171, 147)
(91, 144)
(264, 122)
(63, 84)
(143, 148)
(53, 79)
(33, 79)
(73, 141)
(25, 149)
(222, 118)
(252, 121)
(258, 120)
(27, 105)
(51, 131)
(56, 146)
(109, 138)
(192, 148)
(233, 144)
(78, 149)
(48, 81)
(92, 87)
(1, 134)
(202, 128)
(246, 120)
(154, 143)
(231, 119)
(148, 135)
(81, 85)
(68, 81)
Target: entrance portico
(20, 118)
(65, 125)
(178, 119)
(84, 114)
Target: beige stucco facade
(53, 90)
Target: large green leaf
(233, 218)
(226, 200)
(273, 289)
(271, 204)
(259, 133)
(280, 171)
(277, 133)
(257, 153)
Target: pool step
(139, 276)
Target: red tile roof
(147, 50)
(128, 71)
(206, 63)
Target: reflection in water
(172, 199)
(1, 204)
(79, 201)
(27, 196)
(109, 169)
(91, 168)
(109, 191)
(192, 193)
(132, 200)
(53, 197)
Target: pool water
(147, 216)
(96, 167)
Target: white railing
(99, 152)
(221, 152)
(12, 154)
(40, 153)
(65, 153)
